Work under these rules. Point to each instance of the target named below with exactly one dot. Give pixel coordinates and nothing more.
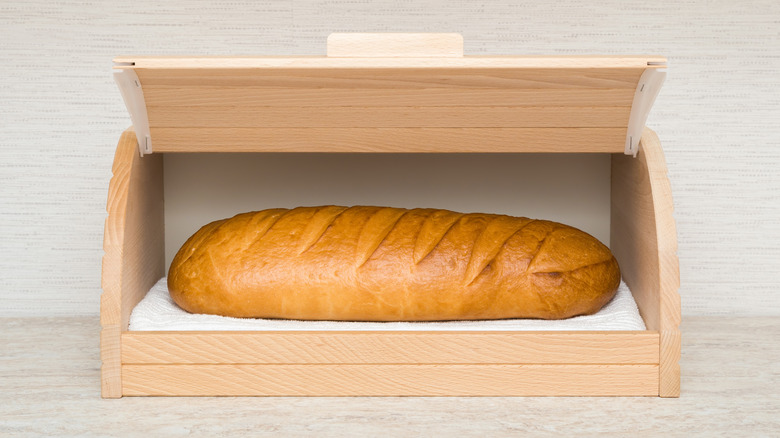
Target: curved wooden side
(644, 240)
(133, 244)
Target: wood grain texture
(111, 280)
(390, 79)
(388, 139)
(389, 348)
(390, 380)
(173, 95)
(644, 240)
(143, 245)
(133, 244)
(669, 269)
(111, 361)
(203, 112)
(633, 234)
(669, 367)
(239, 116)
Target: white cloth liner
(158, 312)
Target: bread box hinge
(646, 91)
(133, 95)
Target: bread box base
(639, 363)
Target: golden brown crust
(390, 264)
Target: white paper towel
(158, 312)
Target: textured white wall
(60, 117)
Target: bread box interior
(401, 120)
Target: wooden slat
(569, 140)
(389, 347)
(395, 78)
(391, 380)
(177, 95)
(386, 117)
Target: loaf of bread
(391, 264)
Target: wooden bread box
(392, 93)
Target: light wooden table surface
(49, 385)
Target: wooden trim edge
(111, 279)
(391, 380)
(669, 267)
(390, 347)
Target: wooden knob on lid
(395, 45)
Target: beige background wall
(61, 115)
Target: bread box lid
(389, 93)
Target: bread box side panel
(644, 240)
(134, 249)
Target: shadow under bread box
(412, 94)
